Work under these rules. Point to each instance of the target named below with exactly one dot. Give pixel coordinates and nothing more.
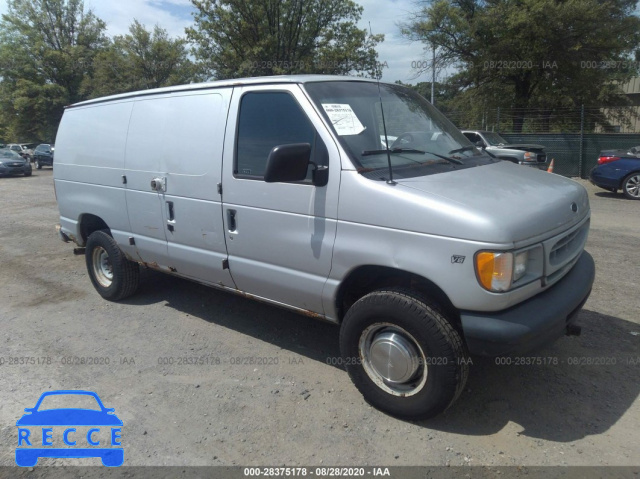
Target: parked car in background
(11, 163)
(522, 154)
(23, 149)
(43, 155)
(618, 169)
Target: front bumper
(535, 322)
(8, 170)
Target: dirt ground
(264, 390)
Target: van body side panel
(192, 208)
(281, 247)
(148, 128)
(90, 147)
(177, 140)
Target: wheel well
(365, 279)
(90, 223)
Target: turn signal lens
(495, 270)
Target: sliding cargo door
(178, 142)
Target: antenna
(384, 125)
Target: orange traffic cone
(550, 169)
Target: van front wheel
(112, 274)
(402, 354)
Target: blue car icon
(102, 427)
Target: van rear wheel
(112, 274)
(402, 354)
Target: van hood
(506, 202)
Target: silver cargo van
(342, 199)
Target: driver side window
(269, 119)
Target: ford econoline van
(339, 198)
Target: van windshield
(420, 139)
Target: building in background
(626, 119)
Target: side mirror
(288, 163)
(480, 144)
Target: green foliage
(544, 54)
(140, 60)
(55, 52)
(46, 50)
(237, 38)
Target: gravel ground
(270, 394)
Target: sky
(175, 15)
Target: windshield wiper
(411, 150)
(464, 148)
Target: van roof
(226, 83)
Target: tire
(414, 329)
(631, 186)
(112, 274)
(28, 173)
(38, 164)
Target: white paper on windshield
(343, 118)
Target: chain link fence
(582, 119)
(572, 159)
(573, 137)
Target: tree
(443, 91)
(140, 60)
(235, 38)
(546, 54)
(46, 51)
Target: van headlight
(499, 271)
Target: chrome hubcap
(102, 267)
(392, 359)
(633, 186)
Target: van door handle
(171, 222)
(231, 220)
(159, 184)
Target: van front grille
(569, 246)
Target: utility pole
(433, 73)
(581, 140)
